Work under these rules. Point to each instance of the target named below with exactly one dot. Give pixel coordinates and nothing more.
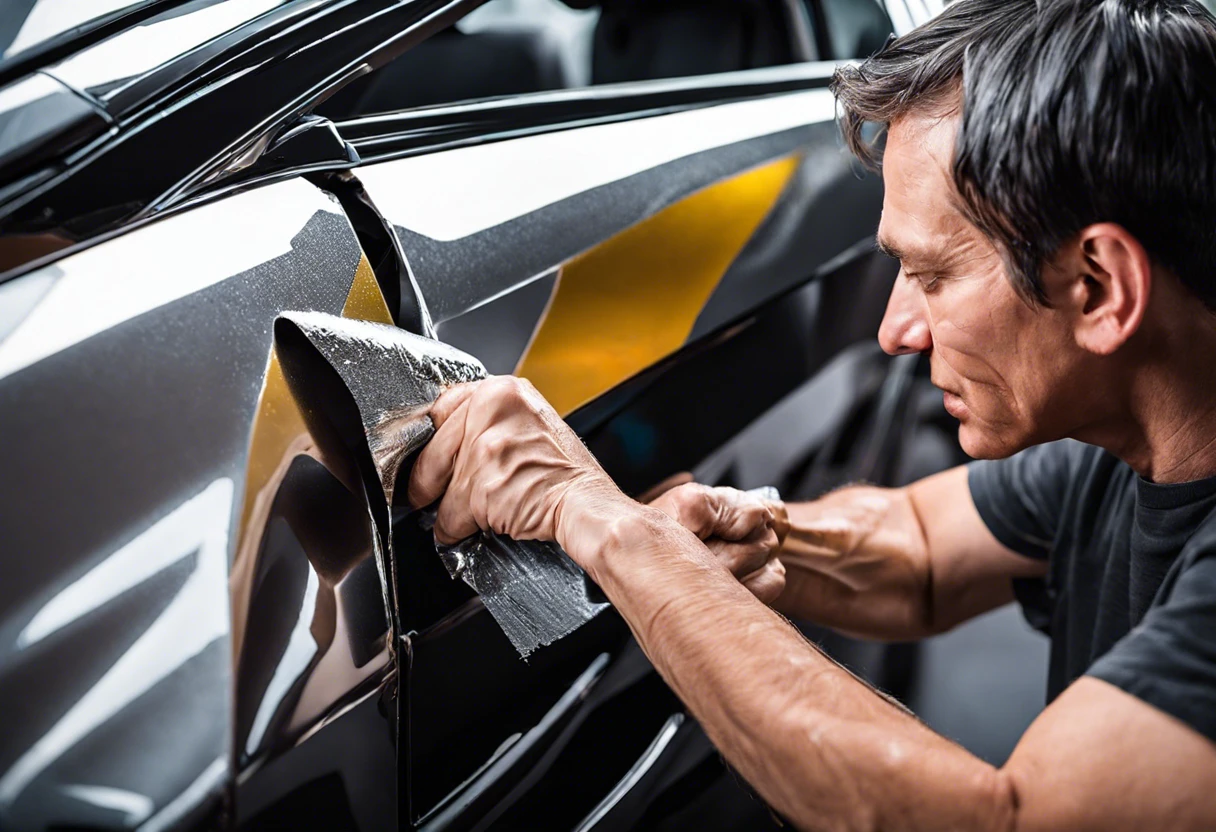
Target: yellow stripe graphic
(634, 298)
(278, 436)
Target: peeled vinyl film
(366, 390)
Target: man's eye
(928, 282)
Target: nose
(905, 327)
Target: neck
(1166, 427)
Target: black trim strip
(425, 130)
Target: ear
(1109, 293)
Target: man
(1050, 173)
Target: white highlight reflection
(190, 799)
(301, 648)
(196, 617)
(146, 47)
(450, 195)
(155, 549)
(49, 18)
(117, 280)
(135, 806)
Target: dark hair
(1072, 112)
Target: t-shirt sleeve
(1169, 659)
(1020, 498)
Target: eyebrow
(888, 249)
(910, 262)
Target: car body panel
(613, 198)
(163, 336)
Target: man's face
(1004, 366)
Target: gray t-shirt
(1130, 592)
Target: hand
(504, 461)
(737, 527)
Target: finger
(740, 515)
(449, 402)
(454, 517)
(781, 520)
(767, 584)
(693, 506)
(454, 521)
(674, 481)
(741, 559)
(436, 462)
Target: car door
(164, 560)
(193, 626)
(665, 258)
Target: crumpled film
(535, 592)
(520, 582)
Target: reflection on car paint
(142, 631)
(199, 525)
(193, 620)
(207, 783)
(48, 18)
(143, 48)
(97, 290)
(430, 195)
(135, 808)
(301, 648)
(633, 299)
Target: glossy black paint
(122, 431)
(46, 115)
(759, 359)
(70, 42)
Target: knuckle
(706, 500)
(497, 387)
(514, 388)
(494, 446)
(700, 507)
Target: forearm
(856, 561)
(821, 747)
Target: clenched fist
(504, 461)
(737, 527)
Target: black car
(643, 207)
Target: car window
(853, 28)
(510, 47)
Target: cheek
(1009, 358)
(969, 339)
(983, 341)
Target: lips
(954, 405)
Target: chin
(980, 443)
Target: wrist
(598, 519)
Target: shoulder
(1169, 658)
